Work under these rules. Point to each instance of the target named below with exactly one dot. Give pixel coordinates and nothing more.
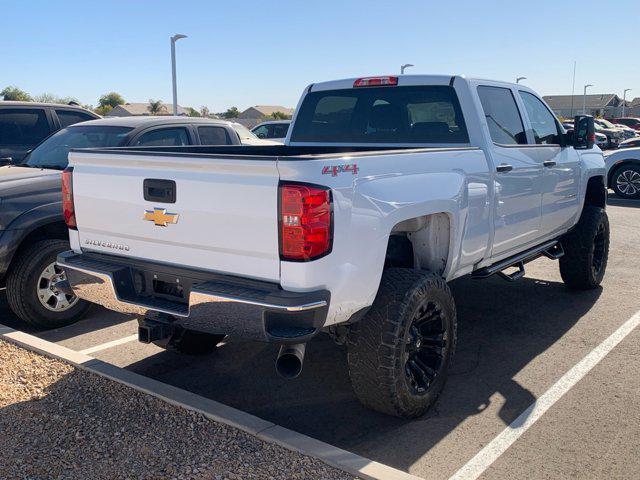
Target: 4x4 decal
(336, 169)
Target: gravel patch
(61, 422)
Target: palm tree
(156, 107)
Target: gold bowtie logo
(160, 217)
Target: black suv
(23, 125)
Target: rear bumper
(197, 300)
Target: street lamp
(174, 39)
(584, 99)
(520, 78)
(406, 65)
(624, 100)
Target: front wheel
(586, 248)
(31, 287)
(400, 352)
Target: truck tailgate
(223, 219)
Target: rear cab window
(163, 137)
(210, 135)
(502, 115)
(409, 114)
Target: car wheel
(626, 181)
(31, 287)
(586, 250)
(400, 352)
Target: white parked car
(623, 172)
(275, 130)
(386, 189)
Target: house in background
(141, 109)
(607, 105)
(254, 115)
(633, 108)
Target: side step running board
(551, 249)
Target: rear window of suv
(415, 115)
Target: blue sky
(259, 52)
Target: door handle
(549, 163)
(504, 168)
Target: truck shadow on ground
(502, 328)
(97, 318)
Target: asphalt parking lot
(516, 340)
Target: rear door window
(69, 117)
(279, 130)
(415, 114)
(163, 137)
(503, 116)
(213, 136)
(23, 126)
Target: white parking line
(113, 343)
(491, 452)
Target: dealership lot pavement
(516, 340)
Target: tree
(14, 93)
(277, 116)
(111, 99)
(52, 98)
(232, 112)
(103, 110)
(156, 107)
(192, 112)
(204, 111)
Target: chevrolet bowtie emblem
(160, 217)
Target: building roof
(266, 110)
(599, 100)
(141, 109)
(635, 102)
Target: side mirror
(4, 161)
(584, 133)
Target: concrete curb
(269, 432)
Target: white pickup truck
(386, 188)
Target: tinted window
(420, 114)
(261, 132)
(213, 136)
(279, 130)
(503, 117)
(543, 123)
(53, 152)
(243, 132)
(22, 126)
(69, 117)
(164, 137)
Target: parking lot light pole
(174, 39)
(406, 65)
(584, 99)
(624, 100)
(520, 78)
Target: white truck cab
(386, 188)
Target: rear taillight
(68, 210)
(305, 221)
(376, 82)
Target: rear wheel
(31, 287)
(400, 352)
(586, 248)
(626, 181)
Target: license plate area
(162, 286)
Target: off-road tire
(629, 176)
(190, 342)
(586, 250)
(22, 281)
(377, 344)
